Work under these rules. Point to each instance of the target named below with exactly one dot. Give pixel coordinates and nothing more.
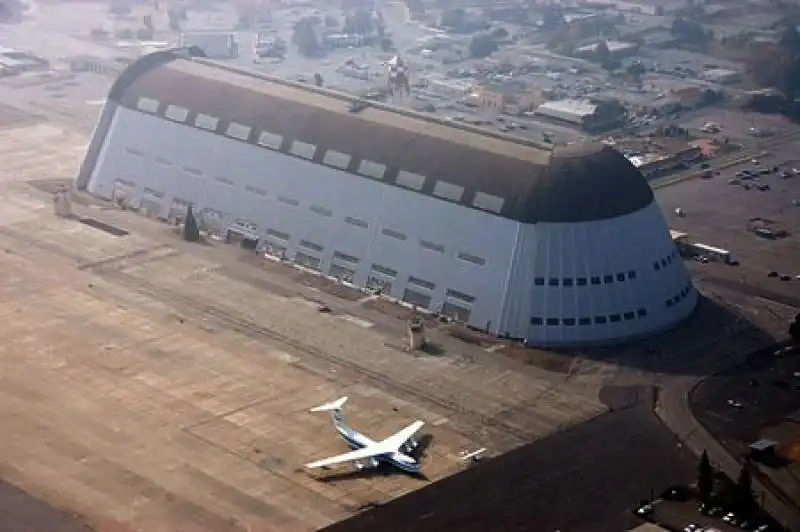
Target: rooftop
(510, 176)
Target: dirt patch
(547, 360)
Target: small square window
(669, 259)
(569, 322)
(584, 321)
(629, 316)
(539, 281)
(663, 263)
(615, 318)
(599, 320)
(552, 322)
(608, 279)
(567, 281)
(595, 280)
(621, 277)
(553, 282)
(656, 267)
(631, 274)
(536, 320)
(669, 303)
(581, 281)
(641, 312)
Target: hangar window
(224, 181)
(608, 279)
(163, 162)
(422, 283)
(552, 322)
(372, 169)
(536, 320)
(669, 302)
(595, 280)
(344, 257)
(311, 245)
(255, 190)
(416, 298)
(615, 318)
(321, 210)
(581, 281)
(569, 322)
(306, 260)
(472, 258)
(621, 277)
(383, 270)
(552, 282)
(430, 245)
(663, 263)
(280, 235)
(488, 202)
(584, 321)
(631, 274)
(176, 113)
(393, 234)
(461, 296)
(656, 266)
(238, 131)
(600, 320)
(134, 152)
(356, 221)
(538, 281)
(270, 140)
(303, 149)
(342, 273)
(641, 312)
(192, 170)
(449, 191)
(629, 316)
(410, 180)
(379, 284)
(567, 281)
(148, 105)
(288, 201)
(206, 122)
(153, 193)
(336, 159)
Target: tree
(744, 499)
(552, 18)
(482, 45)
(191, 232)
(360, 22)
(601, 52)
(453, 18)
(304, 36)
(705, 479)
(794, 329)
(499, 33)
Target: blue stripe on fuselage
(353, 444)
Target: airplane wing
(396, 440)
(359, 454)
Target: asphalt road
(583, 479)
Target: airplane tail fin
(333, 406)
(336, 408)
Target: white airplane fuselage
(356, 440)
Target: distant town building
(723, 76)
(588, 115)
(617, 49)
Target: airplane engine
(373, 462)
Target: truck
(216, 45)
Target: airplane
(394, 450)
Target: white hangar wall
(417, 242)
(553, 284)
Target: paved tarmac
(584, 479)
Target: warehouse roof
(512, 177)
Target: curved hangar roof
(535, 183)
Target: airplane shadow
(383, 469)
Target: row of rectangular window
(597, 320)
(678, 298)
(332, 158)
(666, 261)
(584, 281)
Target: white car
(733, 404)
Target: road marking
(364, 324)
